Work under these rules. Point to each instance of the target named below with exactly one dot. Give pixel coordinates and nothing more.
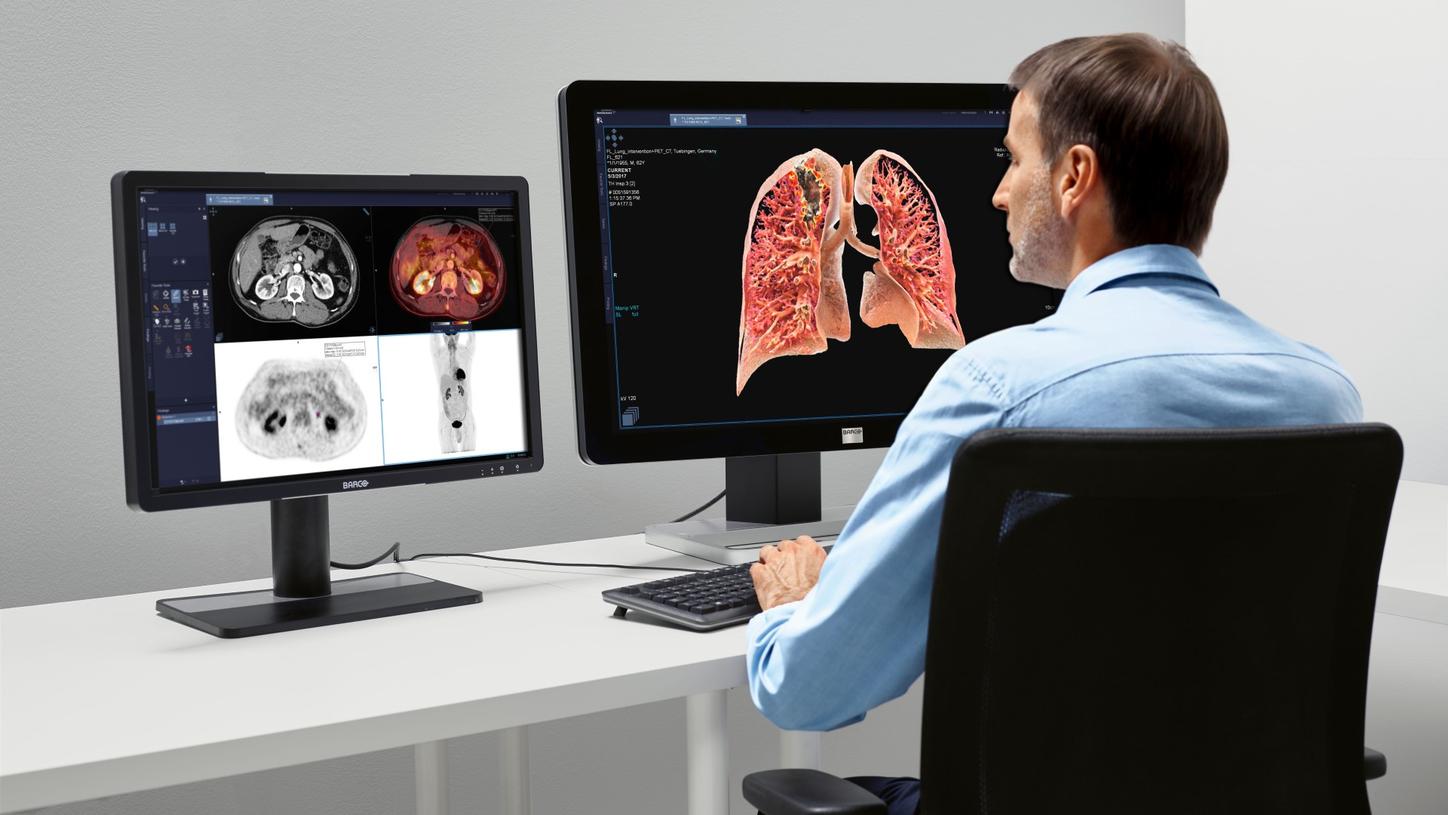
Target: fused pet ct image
(294, 269)
(452, 357)
(311, 409)
(449, 268)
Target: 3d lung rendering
(913, 282)
(301, 409)
(449, 268)
(452, 358)
(793, 290)
(294, 269)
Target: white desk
(103, 697)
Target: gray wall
(1330, 226)
(90, 89)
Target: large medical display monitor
(765, 268)
(764, 271)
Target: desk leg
(799, 749)
(708, 754)
(430, 761)
(516, 788)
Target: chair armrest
(808, 792)
(1375, 764)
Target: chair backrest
(1135, 621)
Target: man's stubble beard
(1042, 253)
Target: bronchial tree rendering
(793, 288)
(793, 283)
(913, 281)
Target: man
(1118, 151)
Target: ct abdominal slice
(294, 269)
(292, 408)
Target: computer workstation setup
(756, 273)
(759, 272)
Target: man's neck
(1086, 252)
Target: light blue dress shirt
(1141, 339)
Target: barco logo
(852, 435)
(354, 485)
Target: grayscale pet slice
(294, 408)
(452, 357)
(294, 269)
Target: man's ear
(1080, 177)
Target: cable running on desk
(395, 550)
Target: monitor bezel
(137, 429)
(600, 441)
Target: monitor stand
(769, 498)
(303, 594)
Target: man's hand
(787, 572)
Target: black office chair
(1146, 621)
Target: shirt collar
(1152, 258)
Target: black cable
(712, 502)
(395, 550)
(554, 563)
(391, 550)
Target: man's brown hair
(1153, 119)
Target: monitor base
(731, 542)
(248, 613)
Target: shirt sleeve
(857, 639)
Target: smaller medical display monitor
(290, 335)
(283, 337)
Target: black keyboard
(702, 601)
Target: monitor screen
(313, 334)
(757, 276)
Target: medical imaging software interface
(764, 266)
(292, 333)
